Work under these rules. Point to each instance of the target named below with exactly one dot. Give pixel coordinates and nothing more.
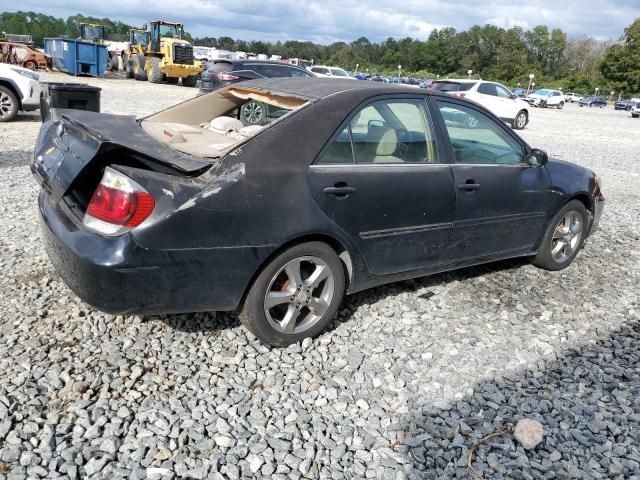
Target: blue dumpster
(77, 57)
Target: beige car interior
(203, 127)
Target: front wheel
(560, 105)
(564, 237)
(296, 295)
(520, 121)
(8, 104)
(139, 73)
(154, 72)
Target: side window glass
(487, 89)
(502, 92)
(294, 72)
(477, 139)
(394, 131)
(340, 151)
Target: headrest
(225, 125)
(384, 138)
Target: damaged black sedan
(346, 185)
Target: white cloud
(326, 21)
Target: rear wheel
(190, 81)
(31, 65)
(520, 121)
(296, 295)
(8, 105)
(154, 73)
(139, 72)
(564, 237)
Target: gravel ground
(407, 379)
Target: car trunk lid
(75, 138)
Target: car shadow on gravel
(15, 158)
(213, 321)
(587, 399)
(421, 285)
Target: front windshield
(93, 32)
(543, 92)
(140, 38)
(337, 72)
(171, 31)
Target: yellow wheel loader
(133, 60)
(169, 57)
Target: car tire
(634, 116)
(31, 65)
(254, 113)
(543, 104)
(128, 69)
(154, 72)
(190, 81)
(279, 308)
(564, 237)
(139, 72)
(560, 105)
(8, 105)
(520, 121)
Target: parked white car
(19, 90)
(495, 97)
(572, 97)
(546, 98)
(331, 72)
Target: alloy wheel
(253, 113)
(521, 121)
(6, 105)
(299, 295)
(567, 236)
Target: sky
(346, 20)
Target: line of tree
(507, 55)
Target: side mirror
(513, 95)
(537, 158)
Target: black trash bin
(76, 96)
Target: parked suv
(593, 102)
(546, 98)
(19, 90)
(494, 96)
(231, 71)
(572, 97)
(331, 72)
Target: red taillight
(119, 207)
(118, 204)
(225, 76)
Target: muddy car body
(287, 214)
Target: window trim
(446, 140)
(443, 155)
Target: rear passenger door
(385, 183)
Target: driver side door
(501, 200)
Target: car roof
(253, 60)
(317, 88)
(456, 80)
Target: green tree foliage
(621, 64)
